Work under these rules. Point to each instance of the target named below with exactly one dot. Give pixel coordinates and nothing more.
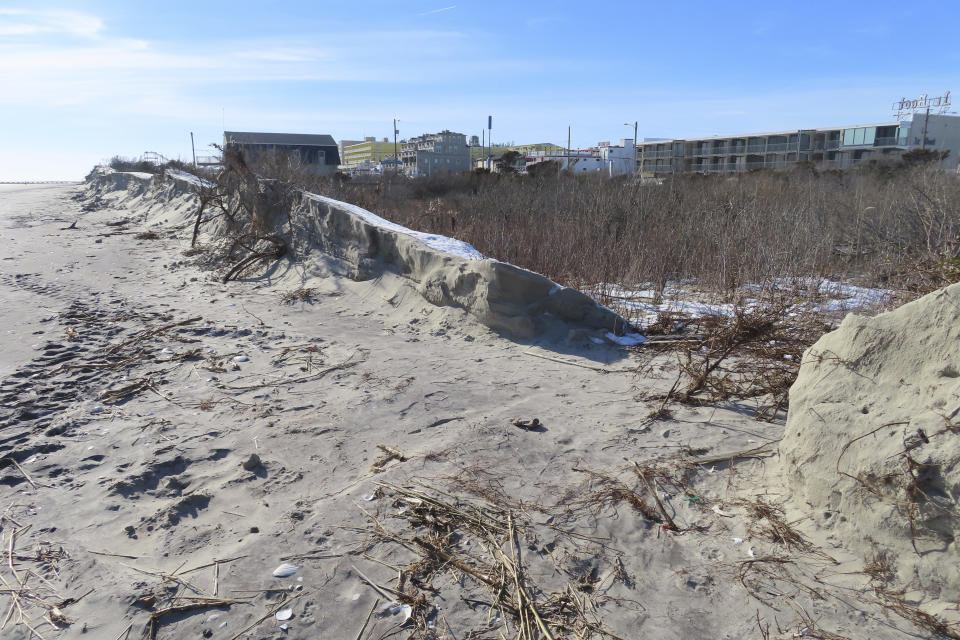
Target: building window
(859, 136)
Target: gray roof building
(313, 153)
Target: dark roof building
(313, 153)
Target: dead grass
(303, 294)
(437, 524)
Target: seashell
(738, 541)
(369, 497)
(167, 350)
(284, 570)
(240, 358)
(720, 512)
(285, 614)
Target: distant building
(827, 148)
(389, 165)
(342, 147)
(370, 150)
(315, 154)
(612, 160)
(444, 152)
(481, 152)
(507, 162)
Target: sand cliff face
(446, 272)
(872, 441)
(499, 295)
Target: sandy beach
(171, 442)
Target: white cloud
(29, 22)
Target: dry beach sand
(170, 441)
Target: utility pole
(396, 154)
(489, 142)
(568, 147)
(194, 150)
(483, 144)
(923, 140)
(627, 124)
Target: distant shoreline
(41, 181)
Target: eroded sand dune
(872, 443)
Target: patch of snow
(628, 340)
(444, 244)
(196, 181)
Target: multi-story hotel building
(831, 147)
(444, 152)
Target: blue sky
(84, 81)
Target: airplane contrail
(427, 13)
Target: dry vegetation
(884, 225)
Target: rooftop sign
(906, 105)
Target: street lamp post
(627, 124)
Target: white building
(611, 160)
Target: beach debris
(240, 359)
(284, 614)
(527, 425)
(146, 602)
(284, 570)
(720, 512)
(389, 453)
(394, 609)
(284, 626)
(252, 462)
(166, 351)
(368, 497)
(738, 541)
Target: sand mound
(446, 272)
(872, 440)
